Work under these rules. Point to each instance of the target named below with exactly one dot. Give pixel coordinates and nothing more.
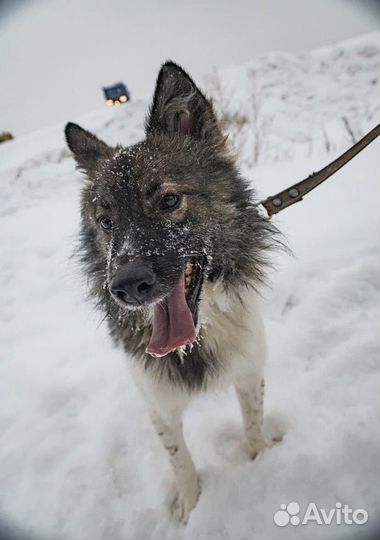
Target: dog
(175, 249)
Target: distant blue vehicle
(116, 94)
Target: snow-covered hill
(282, 106)
(78, 457)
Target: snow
(78, 457)
(282, 106)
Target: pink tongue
(173, 324)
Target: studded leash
(295, 193)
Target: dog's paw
(184, 503)
(259, 445)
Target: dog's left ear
(180, 107)
(88, 150)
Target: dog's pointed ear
(180, 107)
(86, 147)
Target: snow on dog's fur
(175, 249)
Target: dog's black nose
(134, 284)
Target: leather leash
(295, 193)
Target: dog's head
(162, 216)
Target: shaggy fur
(184, 152)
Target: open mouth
(175, 318)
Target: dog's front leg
(170, 432)
(250, 393)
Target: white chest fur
(232, 329)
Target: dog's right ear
(86, 147)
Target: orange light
(117, 103)
(123, 99)
(109, 102)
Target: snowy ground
(78, 457)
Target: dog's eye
(105, 223)
(170, 201)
